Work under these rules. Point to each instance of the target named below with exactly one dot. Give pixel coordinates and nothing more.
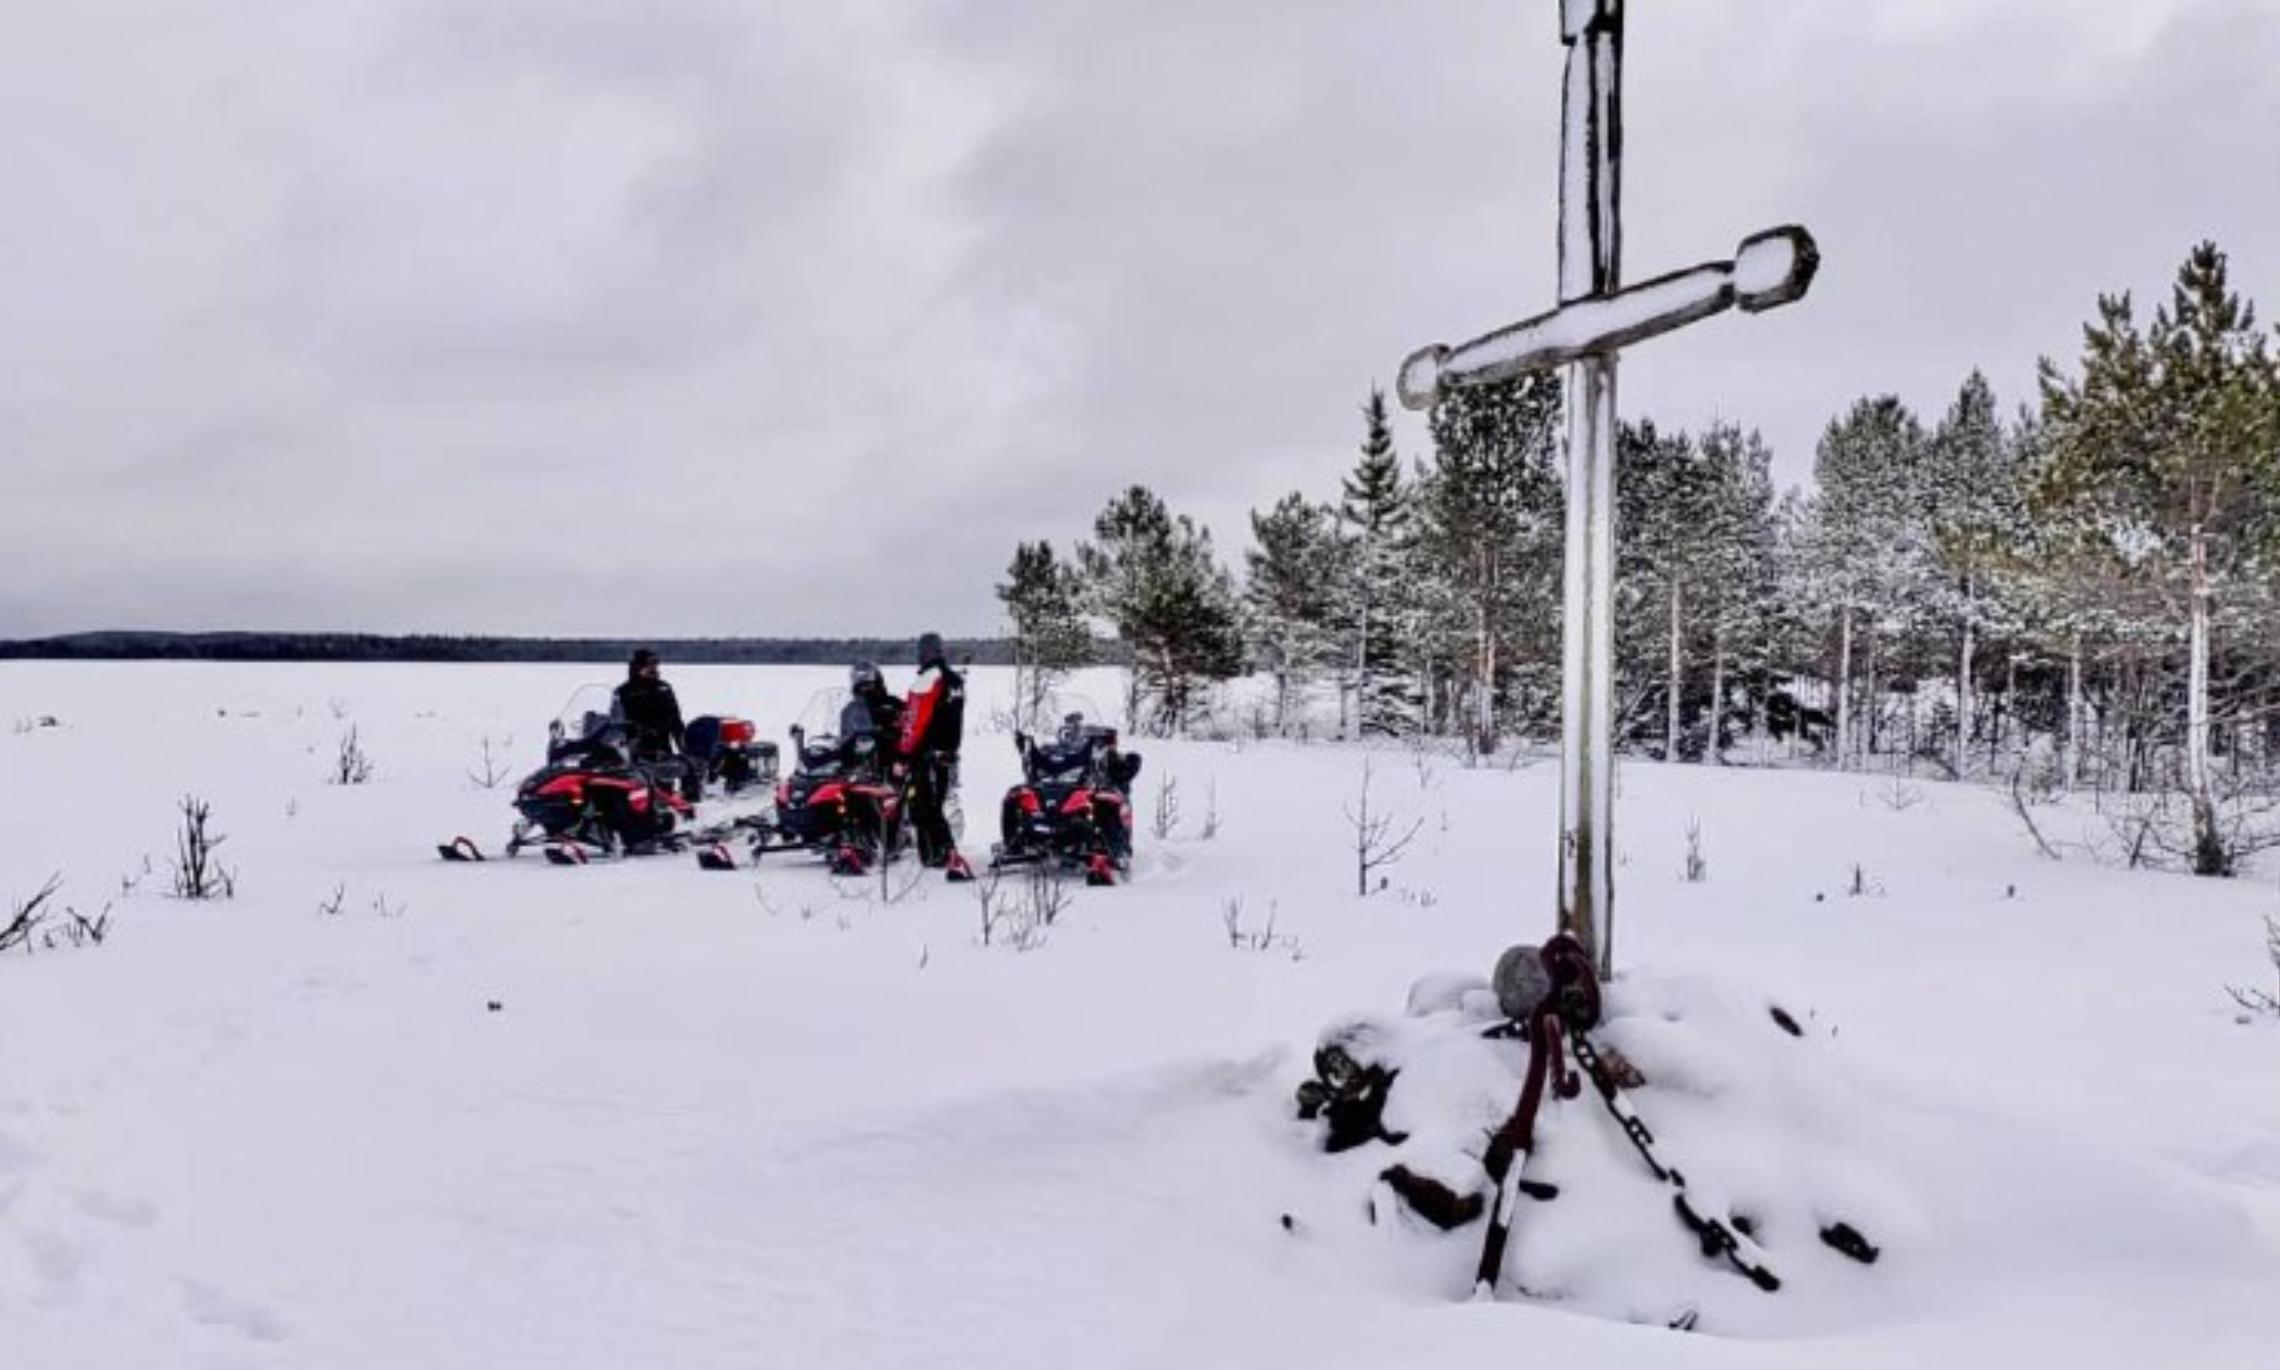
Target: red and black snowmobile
(842, 800)
(1074, 805)
(592, 798)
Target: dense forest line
(259, 646)
(2082, 593)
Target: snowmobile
(841, 801)
(730, 753)
(1074, 805)
(593, 798)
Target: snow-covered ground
(762, 1119)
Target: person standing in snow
(933, 726)
(649, 709)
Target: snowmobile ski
(566, 854)
(716, 857)
(460, 849)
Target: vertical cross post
(1591, 242)
(1595, 319)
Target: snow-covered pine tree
(1044, 600)
(1738, 566)
(1291, 600)
(1977, 508)
(1375, 511)
(2168, 442)
(1864, 549)
(1174, 605)
(1663, 489)
(1490, 526)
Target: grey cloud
(693, 316)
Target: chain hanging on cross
(1596, 317)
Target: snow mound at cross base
(1767, 1125)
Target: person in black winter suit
(651, 712)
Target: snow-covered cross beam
(1597, 317)
(1769, 269)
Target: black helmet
(863, 677)
(930, 651)
(642, 656)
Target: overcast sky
(723, 317)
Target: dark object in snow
(1350, 1097)
(1717, 1238)
(1846, 1240)
(461, 848)
(1785, 717)
(492, 1005)
(1686, 1321)
(1520, 982)
(1571, 993)
(1782, 1020)
(1289, 1223)
(1432, 1200)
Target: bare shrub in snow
(79, 930)
(1898, 795)
(351, 765)
(26, 915)
(1422, 761)
(38, 922)
(1697, 865)
(331, 907)
(493, 768)
(991, 900)
(1242, 936)
(1020, 909)
(197, 874)
(2256, 1000)
(1210, 828)
(1379, 838)
(2021, 798)
(1166, 820)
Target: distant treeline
(749, 651)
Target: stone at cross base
(1596, 318)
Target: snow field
(707, 1129)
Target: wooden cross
(1595, 318)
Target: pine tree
(1290, 596)
(1737, 566)
(1378, 520)
(1174, 605)
(1044, 598)
(2168, 443)
(1977, 519)
(1663, 489)
(1490, 525)
(1864, 548)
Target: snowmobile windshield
(1070, 719)
(588, 715)
(819, 718)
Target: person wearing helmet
(649, 709)
(933, 726)
(870, 710)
